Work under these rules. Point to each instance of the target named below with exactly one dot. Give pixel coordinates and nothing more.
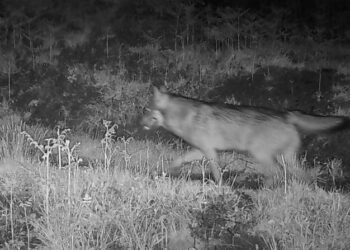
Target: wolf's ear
(156, 92)
(155, 89)
(160, 98)
(159, 92)
(163, 89)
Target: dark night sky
(333, 11)
(303, 10)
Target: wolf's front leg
(197, 154)
(189, 156)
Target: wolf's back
(317, 124)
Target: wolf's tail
(318, 124)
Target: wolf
(264, 133)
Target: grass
(304, 218)
(113, 202)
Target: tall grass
(304, 218)
(111, 201)
(12, 143)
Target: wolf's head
(153, 117)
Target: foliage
(61, 67)
(77, 64)
(114, 204)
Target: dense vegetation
(80, 64)
(75, 63)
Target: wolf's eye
(146, 110)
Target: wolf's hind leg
(211, 155)
(289, 159)
(267, 166)
(290, 153)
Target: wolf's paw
(155, 175)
